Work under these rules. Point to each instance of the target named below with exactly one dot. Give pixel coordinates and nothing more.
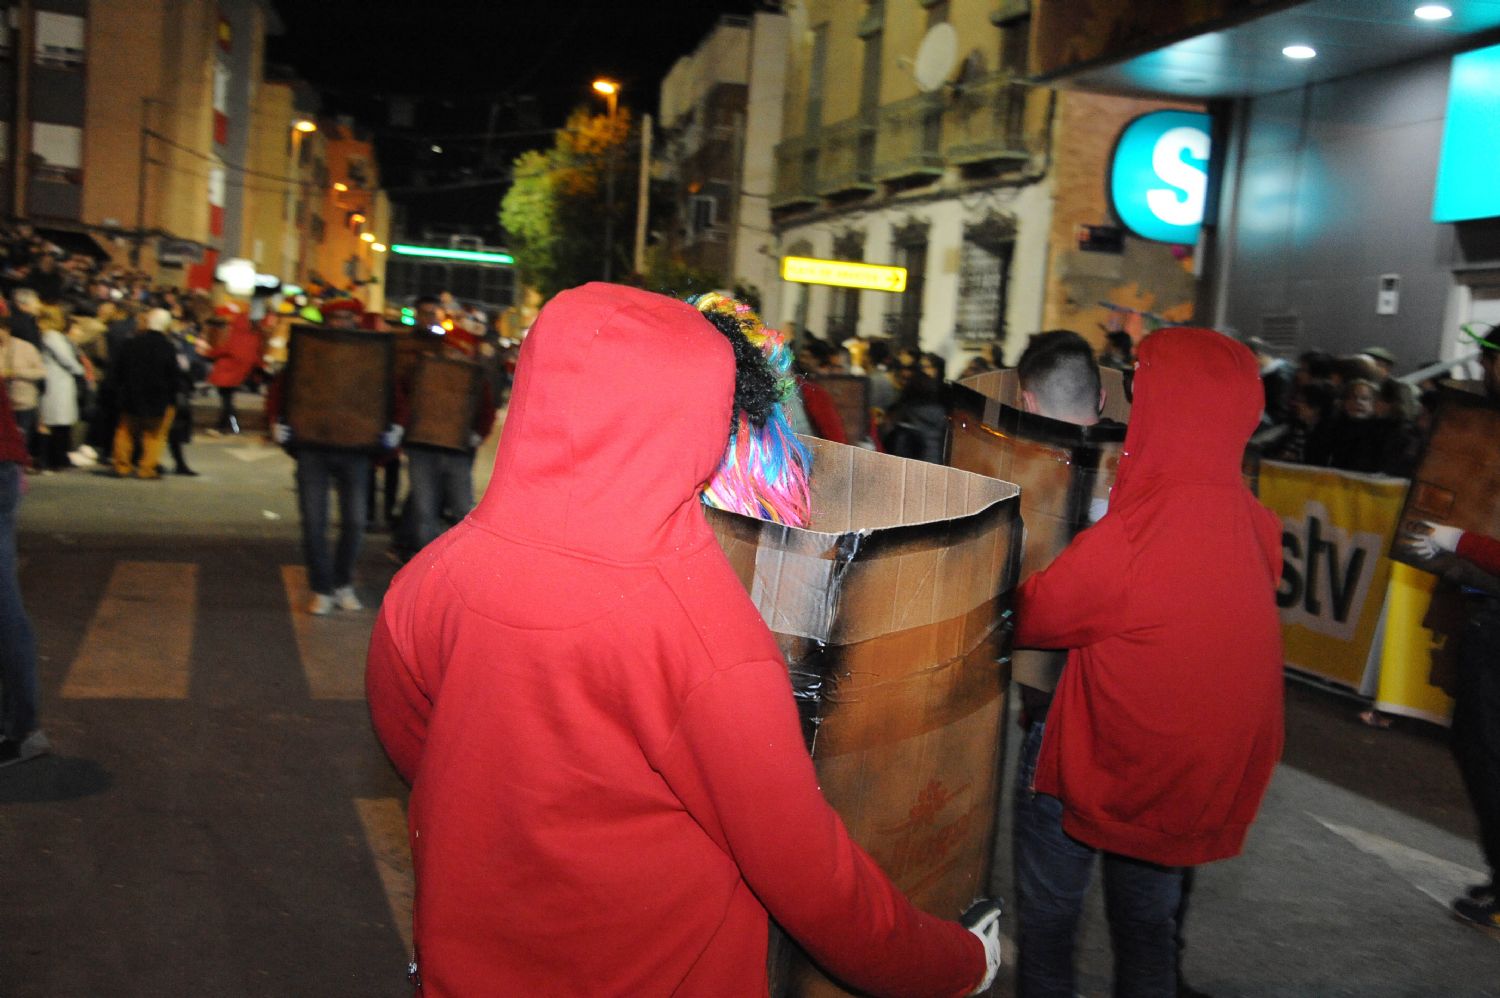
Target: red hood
(1198, 397)
(619, 414)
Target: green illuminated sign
(442, 253)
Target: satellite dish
(936, 57)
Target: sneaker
(84, 450)
(1483, 914)
(1481, 892)
(321, 605)
(344, 599)
(28, 748)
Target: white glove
(983, 919)
(475, 440)
(391, 438)
(1435, 539)
(280, 432)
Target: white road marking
(249, 454)
(139, 644)
(384, 823)
(1440, 879)
(332, 648)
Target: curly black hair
(755, 391)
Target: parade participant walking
(20, 737)
(610, 787)
(330, 574)
(1476, 700)
(442, 478)
(146, 376)
(235, 354)
(1167, 721)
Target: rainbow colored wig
(765, 469)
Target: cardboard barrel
(1065, 472)
(445, 395)
(339, 387)
(892, 612)
(1458, 482)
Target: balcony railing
(796, 174)
(986, 122)
(847, 166)
(908, 145)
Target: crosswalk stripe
(139, 644)
(385, 831)
(324, 643)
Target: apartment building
(911, 140)
(151, 125)
(721, 116)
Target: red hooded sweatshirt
(609, 784)
(1167, 721)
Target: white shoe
(344, 599)
(321, 605)
(88, 452)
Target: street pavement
(219, 820)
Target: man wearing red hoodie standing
(610, 791)
(1167, 721)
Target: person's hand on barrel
(1428, 540)
(983, 919)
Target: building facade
(151, 125)
(911, 140)
(1325, 228)
(721, 115)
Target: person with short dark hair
(1059, 378)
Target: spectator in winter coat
(58, 411)
(24, 373)
(235, 355)
(146, 375)
(611, 794)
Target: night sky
(468, 52)
(486, 80)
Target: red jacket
(239, 355)
(1481, 550)
(609, 784)
(12, 444)
(1167, 721)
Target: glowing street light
(379, 247)
(341, 187)
(368, 237)
(305, 125)
(610, 90)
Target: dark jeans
(26, 420)
(228, 421)
(17, 642)
(1476, 719)
(1053, 871)
(318, 469)
(440, 480)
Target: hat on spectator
(351, 306)
(1381, 354)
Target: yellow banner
(843, 274)
(1336, 528)
(1409, 670)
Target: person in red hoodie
(234, 357)
(610, 790)
(1167, 721)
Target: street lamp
(611, 92)
(305, 125)
(301, 128)
(368, 237)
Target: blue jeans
(349, 472)
(440, 479)
(1053, 871)
(17, 642)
